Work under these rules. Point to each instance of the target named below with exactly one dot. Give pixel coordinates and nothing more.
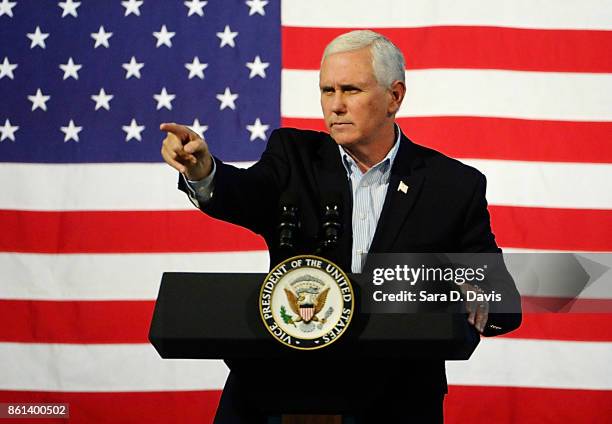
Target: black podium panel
(216, 316)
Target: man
(398, 197)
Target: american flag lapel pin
(403, 187)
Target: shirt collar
(350, 164)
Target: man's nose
(338, 103)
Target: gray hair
(387, 60)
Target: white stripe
(518, 183)
(496, 362)
(545, 184)
(110, 276)
(572, 14)
(116, 186)
(535, 363)
(102, 368)
(562, 275)
(463, 92)
(137, 276)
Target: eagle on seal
(305, 308)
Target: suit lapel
(402, 194)
(330, 175)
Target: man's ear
(397, 91)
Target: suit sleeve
(249, 197)
(477, 237)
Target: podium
(216, 316)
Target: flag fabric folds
(90, 217)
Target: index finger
(181, 131)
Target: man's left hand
(478, 310)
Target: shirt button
(360, 252)
(362, 216)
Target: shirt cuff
(201, 191)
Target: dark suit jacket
(444, 210)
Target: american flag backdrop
(90, 216)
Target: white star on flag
(227, 37)
(196, 69)
(71, 131)
(71, 69)
(132, 6)
(132, 68)
(164, 37)
(197, 128)
(102, 99)
(227, 99)
(257, 130)
(39, 100)
(164, 99)
(69, 7)
(7, 68)
(8, 131)
(133, 130)
(256, 6)
(101, 37)
(6, 7)
(38, 38)
(257, 67)
(195, 7)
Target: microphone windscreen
(288, 198)
(330, 198)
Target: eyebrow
(343, 87)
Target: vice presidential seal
(306, 302)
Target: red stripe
(469, 47)
(140, 407)
(121, 232)
(552, 229)
(560, 326)
(541, 304)
(187, 231)
(476, 404)
(502, 138)
(43, 321)
(85, 322)
(510, 405)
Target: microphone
(288, 220)
(331, 224)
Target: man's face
(354, 105)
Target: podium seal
(306, 302)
